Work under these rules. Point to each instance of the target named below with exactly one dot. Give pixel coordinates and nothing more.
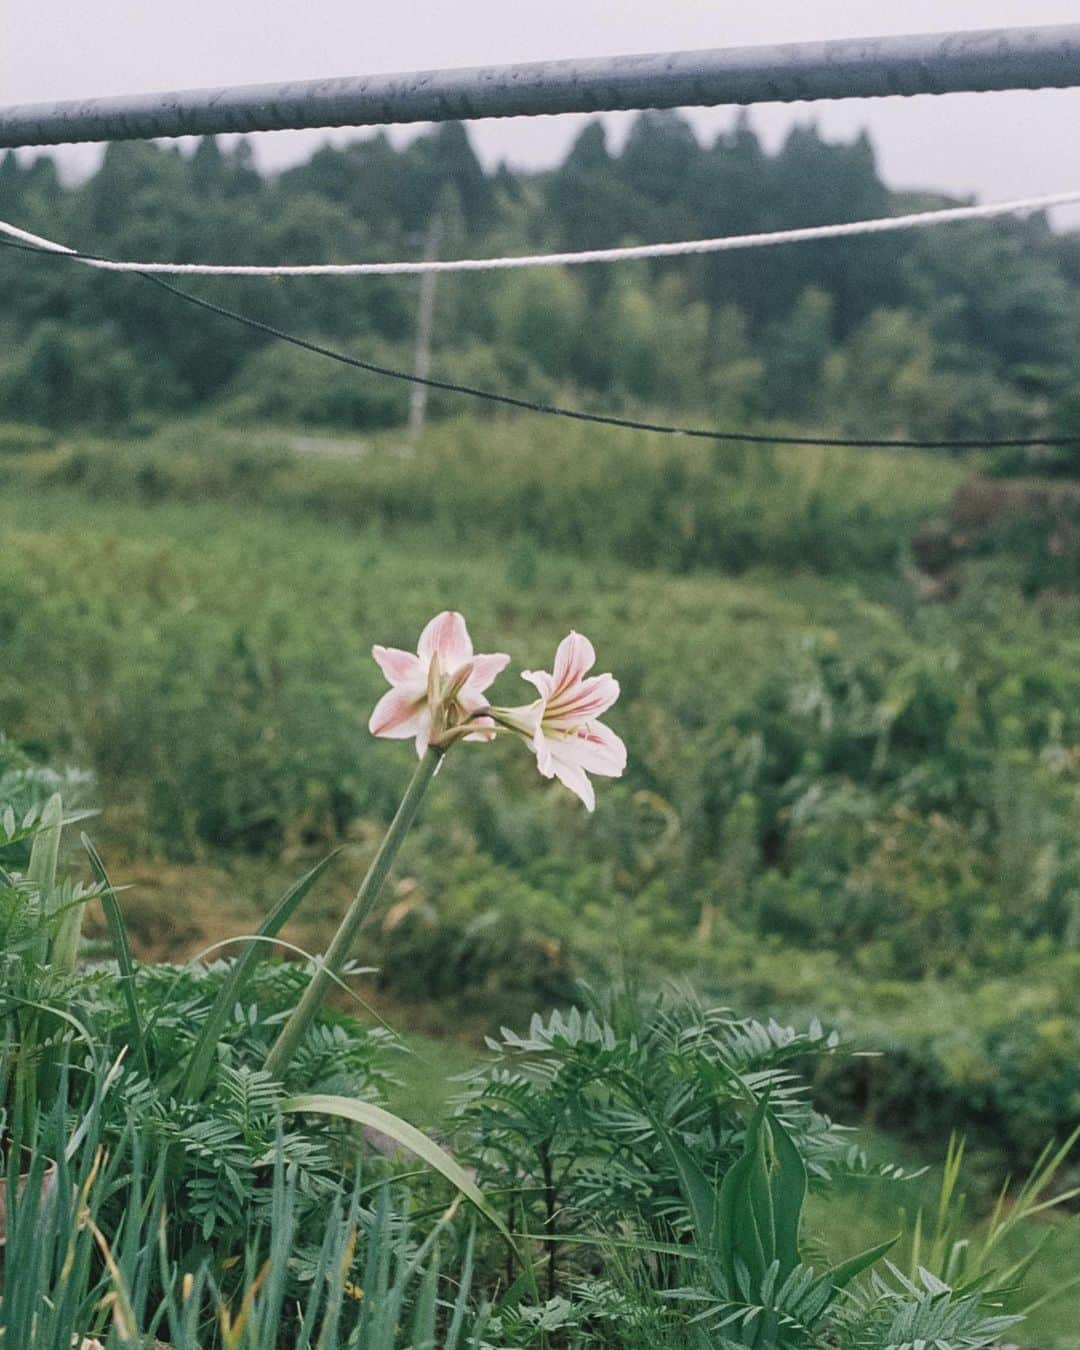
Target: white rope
(680, 249)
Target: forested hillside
(966, 329)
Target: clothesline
(628, 253)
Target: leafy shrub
(575, 1118)
(282, 385)
(915, 817)
(998, 1063)
(485, 944)
(624, 1118)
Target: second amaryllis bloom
(437, 691)
(562, 725)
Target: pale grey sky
(994, 145)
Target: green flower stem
(340, 949)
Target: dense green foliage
(374, 1268)
(968, 330)
(653, 1156)
(839, 801)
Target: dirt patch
(1034, 520)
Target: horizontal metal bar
(930, 63)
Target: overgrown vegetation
(652, 1156)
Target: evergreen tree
(10, 180)
(431, 163)
(244, 178)
(590, 203)
(208, 168)
(661, 156)
(732, 194)
(41, 182)
(817, 182)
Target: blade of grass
(842, 1275)
(41, 869)
(365, 1113)
(114, 919)
(202, 1055)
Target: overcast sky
(993, 145)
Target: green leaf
(65, 947)
(745, 1229)
(788, 1195)
(46, 848)
(846, 1271)
(698, 1192)
(755, 1205)
(114, 919)
(41, 870)
(365, 1113)
(202, 1054)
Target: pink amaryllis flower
(561, 726)
(435, 693)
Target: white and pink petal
(574, 658)
(485, 730)
(447, 637)
(583, 701)
(485, 670)
(400, 667)
(598, 750)
(398, 715)
(541, 748)
(573, 776)
(545, 685)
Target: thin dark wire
(553, 409)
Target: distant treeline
(963, 329)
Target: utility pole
(425, 322)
